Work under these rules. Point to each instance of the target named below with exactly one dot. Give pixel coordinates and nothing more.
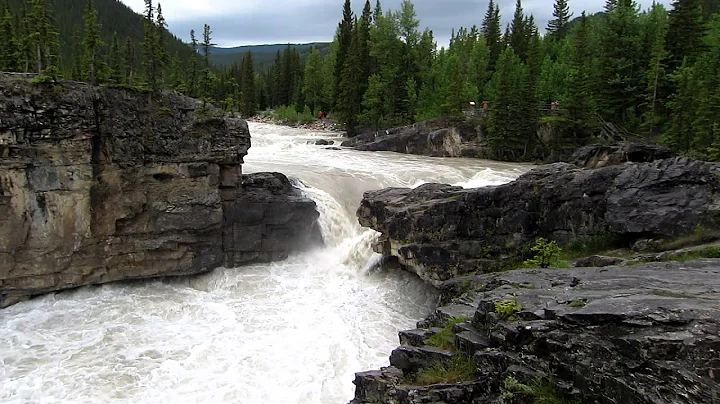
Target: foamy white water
(285, 333)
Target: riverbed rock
(643, 334)
(442, 137)
(100, 185)
(440, 231)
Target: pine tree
(344, 38)
(558, 26)
(247, 99)
(685, 32)
(115, 60)
(129, 56)
(492, 33)
(93, 44)
(610, 5)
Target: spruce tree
(314, 81)
(620, 80)
(193, 69)
(655, 77)
(149, 48)
(93, 43)
(129, 58)
(205, 75)
(177, 77)
(610, 5)
(43, 38)
(162, 56)
(558, 26)
(492, 33)
(377, 12)
(344, 39)
(10, 53)
(115, 61)
(248, 103)
(519, 32)
(580, 91)
(685, 32)
(76, 69)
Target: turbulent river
(282, 333)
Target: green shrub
(445, 338)
(507, 309)
(460, 368)
(43, 79)
(546, 253)
(288, 114)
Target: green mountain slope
(263, 55)
(112, 14)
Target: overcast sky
(252, 22)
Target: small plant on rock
(507, 309)
(545, 253)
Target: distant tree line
(651, 74)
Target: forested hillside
(624, 73)
(650, 74)
(263, 55)
(113, 17)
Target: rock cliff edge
(99, 185)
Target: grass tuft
(445, 338)
(460, 368)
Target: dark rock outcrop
(442, 137)
(99, 185)
(440, 231)
(598, 156)
(644, 334)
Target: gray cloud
(316, 20)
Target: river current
(282, 333)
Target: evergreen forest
(623, 73)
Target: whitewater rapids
(283, 333)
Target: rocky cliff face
(643, 334)
(440, 231)
(99, 185)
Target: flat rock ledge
(643, 334)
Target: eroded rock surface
(440, 231)
(643, 334)
(99, 185)
(443, 137)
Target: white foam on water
(287, 332)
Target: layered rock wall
(99, 185)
